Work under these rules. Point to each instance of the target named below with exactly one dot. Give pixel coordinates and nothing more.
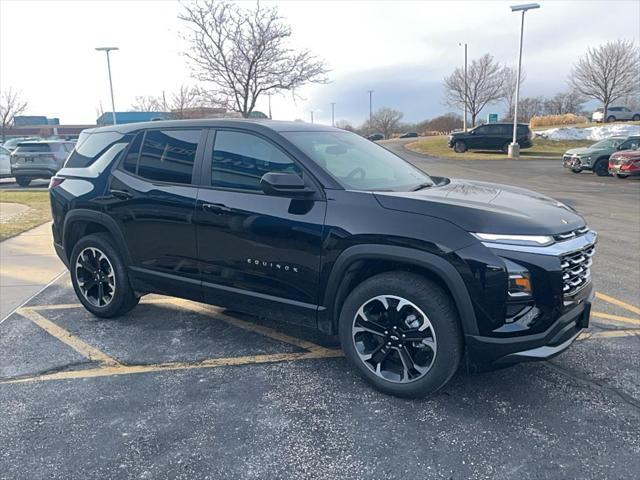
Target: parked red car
(625, 163)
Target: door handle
(217, 208)
(121, 194)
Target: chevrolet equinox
(417, 275)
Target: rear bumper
(34, 172)
(487, 352)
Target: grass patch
(39, 211)
(542, 149)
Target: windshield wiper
(421, 186)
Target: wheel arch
(359, 262)
(82, 222)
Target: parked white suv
(614, 114)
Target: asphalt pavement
(177, 389)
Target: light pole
(269, 95)
(333, 117)
(311, 112)
(370, 110)
(514, 148)
(466, 90)
(113, 103)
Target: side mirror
(284, 185)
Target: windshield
(357, 163)
(33, 147)
(608, 143)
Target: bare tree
(485, 84)
(147, 104)
(345, 125)
(564, 102)
(444, 123)
(608, 72)
(10, 105)
(509, 92)
(244, 53)
(185, 99)
(386, 121)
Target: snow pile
(590, 133)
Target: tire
(118, 295)
(611, 119)
(436, 354)
(576, 170)
(23, 181)
(621, 175)
(505, 148)
(459, 146)
(601, 168)
(636, 118)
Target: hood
(627, 155)
(487, 208)
(579, 151)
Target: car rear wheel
(636, 118)
(23, 181)
(611, 119)
(99, 277)
(621, 175)
(601, 168)
(459, 146)
(401, 332)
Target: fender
(86, 215)
(328, 319)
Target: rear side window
(168, 155)
(130, 162)
(91, 146)
(33, 147)
(241, 159)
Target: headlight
(528, 240)
(519, 280)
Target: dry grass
(542, 149)
(557, 120)
(39, 211)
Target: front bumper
(575, 163)
(486, 352)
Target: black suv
(491, 136)
(416, 274)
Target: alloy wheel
(95, 276)
(394, 338)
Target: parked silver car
(40, 159)
(615, 114)
(5, 163)
(12, 143)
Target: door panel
(258, 253)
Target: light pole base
(514, 150)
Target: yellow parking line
(609, 334)
(616, 318)
(172, 366)
(67, 338)
(619, 303)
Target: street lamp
(514, 148)
(464, 121)
(113, 104)
(333, 117)
(311, 112)
(371, 110)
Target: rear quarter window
(91, 145)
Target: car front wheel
(99, 277)
(611, 119)
(621, 175)
(401, 332)
(601, 168)
(636, 118)
(460, 146)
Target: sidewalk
(28, 262)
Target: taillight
(55, 181)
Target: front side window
(168, 155)
(241, 159)
(481, 130)
(357, 163)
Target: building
(132, 117)
(34, 120)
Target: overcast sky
(402, 50)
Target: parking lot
(177, 389)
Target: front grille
(576, 270)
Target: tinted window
(630, 144)
(241, 159)
(130, 162)
(481, 130)
(33, 147)
(168, 155)
(91, 146)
